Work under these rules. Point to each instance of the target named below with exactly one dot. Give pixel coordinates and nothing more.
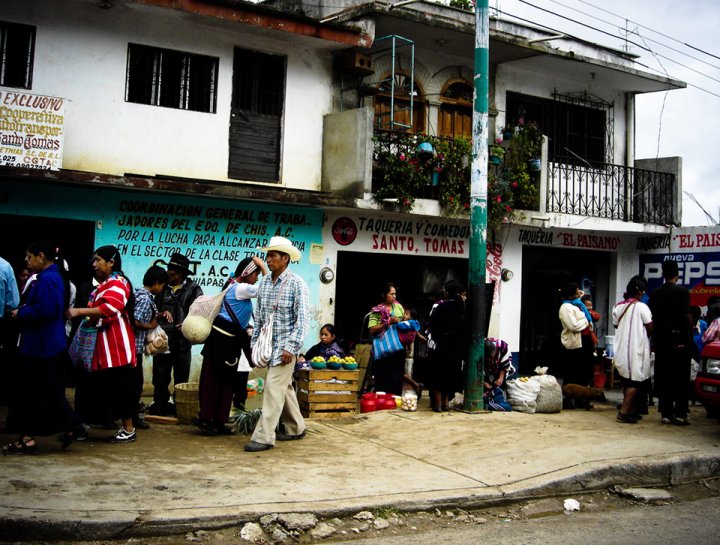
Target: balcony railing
(597, 190)
(611, 191)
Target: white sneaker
(122, 436)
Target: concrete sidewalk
(173, 479)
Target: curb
(25, 525)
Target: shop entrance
(75, 239)
(360, 277)
(545, 271)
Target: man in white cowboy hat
(173, 305)
(286, 294)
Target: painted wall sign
(388, 234)
(148, 228)
(565, 239)
(215, 235)
(699, 272)
(697, 251)
(31, 130)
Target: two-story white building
(206, 127)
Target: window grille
(173, 79)
(17, 51)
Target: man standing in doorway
(173, 305)
(672, 338)
(286, 295)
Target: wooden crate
(317, 397)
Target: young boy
(145, 317)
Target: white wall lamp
(326, 275)
(506, 274)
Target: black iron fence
(611, 191)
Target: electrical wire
(555, 30)
(644, 38)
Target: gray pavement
(173, 479)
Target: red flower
(466, 205)
(498, 198)
(514, 184)
(402, 156)
(508, 208)
(451, 199)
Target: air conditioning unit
(358, 64)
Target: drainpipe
(474, 370)
(629, 148)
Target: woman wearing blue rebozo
(220, 375)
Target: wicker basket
(187, 401)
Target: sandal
(21, 446)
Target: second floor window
(17, 49)
(174, 79)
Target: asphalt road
(696, 522)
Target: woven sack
(197, 324)
(263, 348)
(549, 398)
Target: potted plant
(496, 153)
(531, 141)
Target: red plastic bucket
(599, 380)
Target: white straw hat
(281, 244)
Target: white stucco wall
(81, 55)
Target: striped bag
(387, 343)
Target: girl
(327, 346)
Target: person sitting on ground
(498, 363)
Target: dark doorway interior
(545, 271)
(360, 277)
(75, 239)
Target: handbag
(263, 347)
(156, 342)
(262, 351)
(387, 344)
(82, 348)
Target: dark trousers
(241, 382)
(217, 386)
(389, 372)
(577, 366)
(672, 372)
(166, 367)
(38, 405)
(139, 380)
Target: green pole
(478, 213)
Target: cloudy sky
(684, 39)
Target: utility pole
(478, 213)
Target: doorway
(74, 238)
(545, 271)
(360, 277)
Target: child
(327, 346)
(408, 329)
(145, 316)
